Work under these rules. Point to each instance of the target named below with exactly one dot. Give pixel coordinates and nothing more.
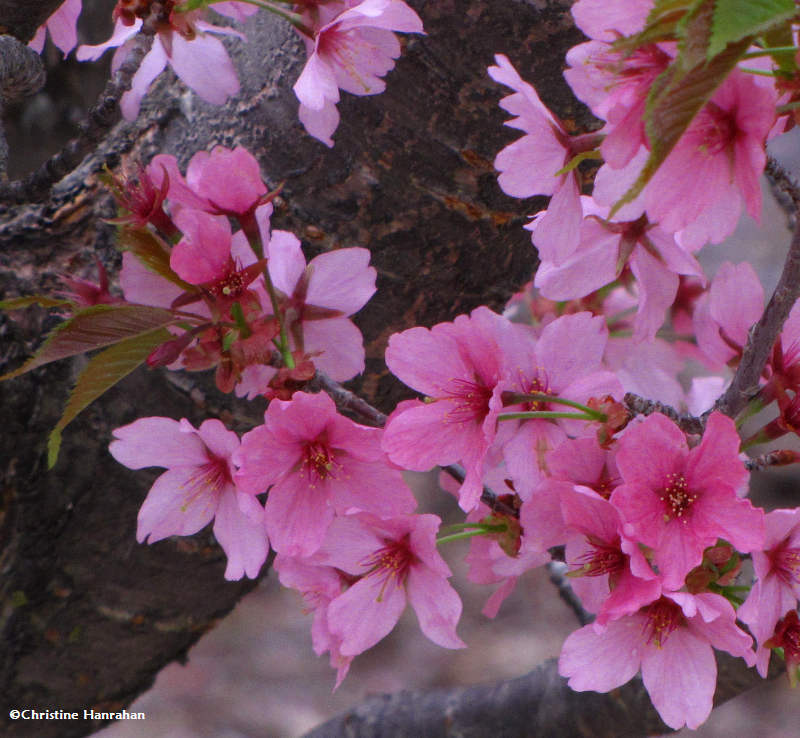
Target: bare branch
(557, 571)
(643, 406)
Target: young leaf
(152, 252)
(95, 327)
(102, 372)
(681, 91)
(736, 19)
(15, 303)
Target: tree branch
(763, 335)
(538, 704)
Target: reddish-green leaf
(15, 303)
(95, 327)
(102, 372)
(681, 91)
(152, 252)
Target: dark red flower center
(470, 401)
(319, 461)
(390, 563)
(663, 617)
(677, 497)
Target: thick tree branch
(538, 704)
(763, 334)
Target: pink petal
(297, 517)
(437, 605)
(204, 65)
(157, 442)
(241, 535)
(152, 65)
(341, 280)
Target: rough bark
(87, 615)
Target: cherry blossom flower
(777, 587)
(182, 42)
(316, 463)
(528, 166)
(395, 562)
(671, 641)
(351, 52)
(460, 367)
(678, 500)
(197, 487)
(61, 26)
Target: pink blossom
(777, 587)
(395, 561)
(528, 166)
(224, 181)
(607, 20)
(678, 500)
(609, 571)
(61, 26)
(316, 464)
(671, 641)
(351, 52)
(196, 488)
(319, 585)
(199, 60)
(460, 366)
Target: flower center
(320, 462)
(676, 497)
(715, 129)
(605, 558)
(663, 617)
(786, 564)
(390, 563)
(209, 480)
(470, 401)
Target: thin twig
(642, 406)
(99, 120)
(557, 571)
(780, 457)
(763, 334)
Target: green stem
(515, 398)
(547, 415)
(767, 51)
(254, 238)
(462, 536)
(759, 72)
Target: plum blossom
(394, 562)
(316, 464)
(671, 641)
(182, 41)
(678, 500)
(197, 487)
(350, 52)
(61, 26)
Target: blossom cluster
(648, 509)
(350, 46)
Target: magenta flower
(199, 60)
(351, 52)
(528, 166)
(316, 464)
(395, 561)
(678, 500)
(223, 182)
(62, 27)
(319, 585)
(460, 367)
(609, 572)
(671, 641)
(196, 488)
(777, 588)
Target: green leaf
(95, 327)
(102, 372)
(736, 19)
(152, 252)
(15, 303)
(681, 91)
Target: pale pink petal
(657, 289)
(152, 65)
(177, 505)
(341, 345)
(62, 25)
(341, 280)
(558, 231)
(204, 65)
(120, 35)
(297, 516)
(437, 605)
(156, 442)
(241, 535)
(286, 261)
(322, 123)
(316, 86)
